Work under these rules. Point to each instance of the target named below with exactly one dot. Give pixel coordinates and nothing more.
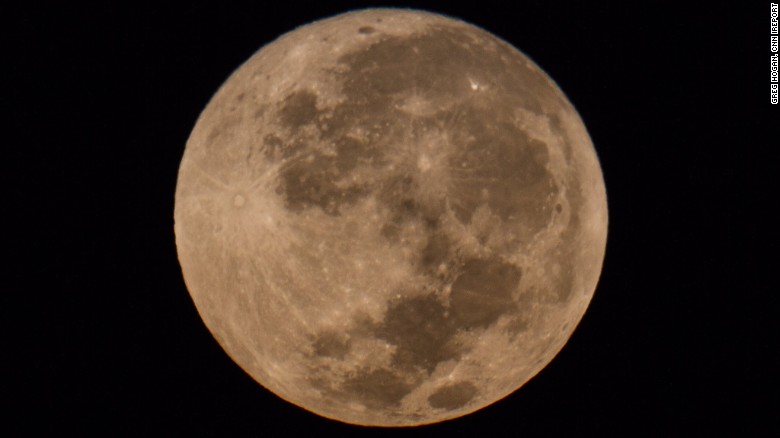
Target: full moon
(390, 217)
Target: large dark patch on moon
(380, 388)
(483, 292)
(452, 396)
(504, 168)
(300, 108)
(420, 330)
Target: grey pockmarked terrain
(390, 218)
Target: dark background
(102, 337)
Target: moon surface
(390, 217)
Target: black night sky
(103, 338)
